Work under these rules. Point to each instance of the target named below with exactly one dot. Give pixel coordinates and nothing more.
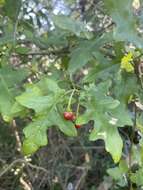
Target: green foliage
(74, 26)
(6, 99)
(12, 8)
(106, 113)
(43, 98)
(35, 137)
(81, 55)
(138, 177)
(112, 140)
(118, 173)
(38, 85)
(8, 85)
(122, 14)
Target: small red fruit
(77, 126)
(69, 116)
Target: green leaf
(99, 100)
(36, 132)
(123, 165)
(69, 24)
(97, 72)
(109, 102)
(56, 37)
(12, 8)
(80, 56)
(22, 50)
(35, 137)
(87, 50)
(118, 173)
(17, 110)
(125, 86)
(85, 118)
(34, 97)
(113, 141)
(38, 103)
(9, 80)
(13, 77)
(6, 39)
(56, 119)
(137, 177)
(122, 15)
(29, 147)
(98, 104)
(122, 116)
(6, 98)
(115, 173)
(29, 97)
(66, 127)
(48, 85)
(99, 107)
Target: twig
(89, 147)
(76, 167)
(18, 141)
(84, 170)
(140, 71)
(37, 167)
(25, 185)
(19, 145)
(81, 179)
(68, 149)
(22, 161)
(2, 161)
(10, 166)
(48, 52)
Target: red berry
(77, 126)
(69, 116)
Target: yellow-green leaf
(126, 63)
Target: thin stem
(70, 99)
(3, 172)
(19, 148)
(42, 53)
(141, 80)
(71, 80)
(17, 137)
(77, 110)
(131, 147)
